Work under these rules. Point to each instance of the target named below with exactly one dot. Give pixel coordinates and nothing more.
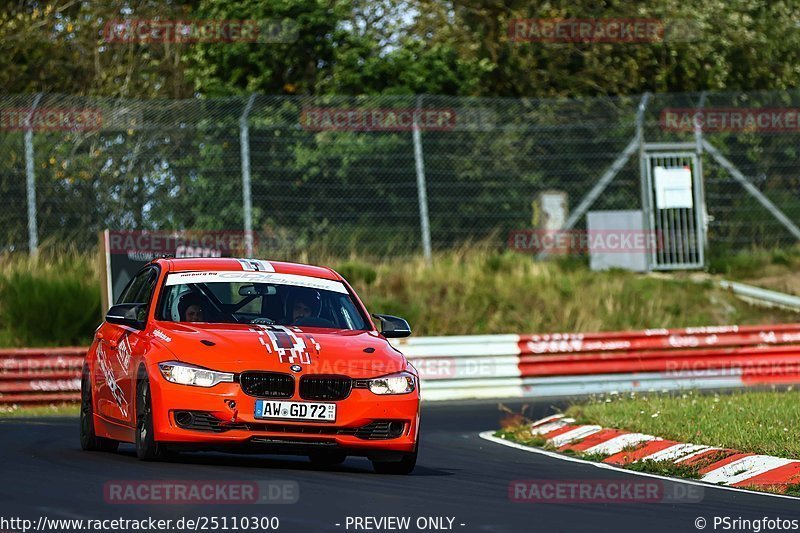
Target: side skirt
(113, 430)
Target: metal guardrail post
(760, 296)
(30, 179)
(247, 196)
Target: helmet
(189, 299)
(311, 298)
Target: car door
(120, 348)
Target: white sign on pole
(673, 188)
(553, 210)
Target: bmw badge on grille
(296, 368)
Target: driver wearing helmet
(302, 303)
(192, 308)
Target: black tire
(399, 468)
(327, 458)
(147, 448)
(90, 442)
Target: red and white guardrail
(513, 366)
(565, 364)
(40, 375)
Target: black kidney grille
(267, 384)
(325, 387)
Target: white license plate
(323, 412)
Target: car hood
(240, 347)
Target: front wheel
(90, 442)
(147, 448)
(402, 467)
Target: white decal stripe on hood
(229, 276)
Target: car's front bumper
(237, 429)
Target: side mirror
(393, 327)
(132, 315)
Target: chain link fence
(377, 176)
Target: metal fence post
(30, 178)
(702, 212)
(247, 196)
(640, 137)
(424, 221)
(644, 183)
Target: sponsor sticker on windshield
(230, 276)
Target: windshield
(259, 298)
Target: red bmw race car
(249, 356)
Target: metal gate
(674, 208)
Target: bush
(477, 290)
(751, 263)
(49, 301)
(357, 272)
(55, 299)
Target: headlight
(402, 383)
(184, 374)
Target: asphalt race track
(458, 475)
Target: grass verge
(521, 435)
(762, 422)
(35, 411)
(776, 269)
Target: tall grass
(52, 299)
(480, 290)
(777, 269)
(755, 262)
(55, 299)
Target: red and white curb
(718, 466)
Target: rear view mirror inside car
(258, 289)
